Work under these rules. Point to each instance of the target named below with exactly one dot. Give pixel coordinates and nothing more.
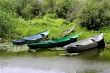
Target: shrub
(23, 8)
(29, 9)
(62, 7)
(6, 25)
(93, 15)
(8, 5)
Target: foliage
(6, 25)
(94, 14)
(67, 9)
(20, 18)
(29, 9)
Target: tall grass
(36, 25)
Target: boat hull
(52, 45)
(18, 42)
(31, 39)
(79, 47)
(82, 48)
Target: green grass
(36, 25)
(57, 27)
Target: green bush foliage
(94, 14)
(31, 8)
(6, 25)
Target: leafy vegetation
(95, 14)
(20, 18)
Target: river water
(86, 62)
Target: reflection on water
(86, 62)
(24, 70)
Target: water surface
(86, 62)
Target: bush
(8, 5)
(29, 9)
(65, 8)
(93, 15)
(23, 8)
(6, 25)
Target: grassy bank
(57, 26)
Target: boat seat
(42, 35)
(93, 40)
